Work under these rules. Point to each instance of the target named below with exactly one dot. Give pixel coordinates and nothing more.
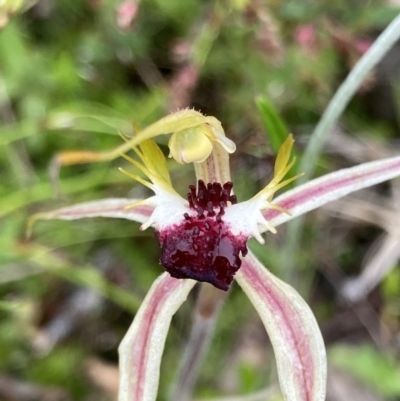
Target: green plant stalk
(206, 313)
(324, 127)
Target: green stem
(329, 118)
(208, 307)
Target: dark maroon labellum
(202, 247)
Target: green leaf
(277, 132)
(369, 365)
(275, 127)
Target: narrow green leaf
(276, 131)
(275, 127)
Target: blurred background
(75, 73)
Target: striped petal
(142, 347)
(330, 187)
(293, 331)
(113, 207)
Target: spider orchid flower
(203, 238)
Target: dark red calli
(202, 247)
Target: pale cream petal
(294, 333)
(118, 208)
(141, 349)
(330, 187)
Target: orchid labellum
(203, 238)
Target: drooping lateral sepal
(141, 349)
(293, 331)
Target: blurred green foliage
(370, 366)
(72, 77)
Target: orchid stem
(328, 120)
(206, 314)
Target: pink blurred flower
(305, 37)
(126, 14)
(362, 45)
